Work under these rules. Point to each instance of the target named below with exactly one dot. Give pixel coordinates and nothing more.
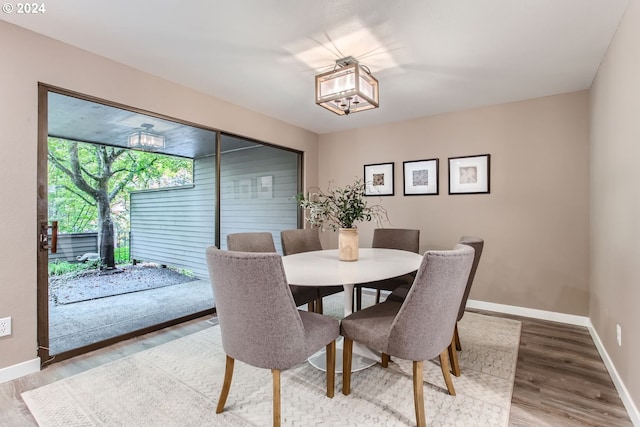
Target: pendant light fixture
(349, 88)
(146, 138)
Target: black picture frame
(421, 177)
(470, 174)
(378, 178)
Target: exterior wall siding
(173, 226)
(73, 245)
(257, 192)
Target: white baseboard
(21, 369)
(630, 406)
(571, 319)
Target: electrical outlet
(619, 334)
(5, 326)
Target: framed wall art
(378, 179)
(469, 174)
(420, 177)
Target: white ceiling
(430, 56)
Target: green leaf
(340, 207)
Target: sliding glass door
(258, 184)
(129, 201)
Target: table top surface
(323, 268)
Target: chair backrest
(424, 324)
(477, 244)
(396, 238)
(244, 283)
(251, 242)
(300, 240)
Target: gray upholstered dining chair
(478, 245)
(306, 240)
(274, 339)
(300, 240)
(418, 329)
(251, 242)
(263, 242)
(391, 238)
(400, 294)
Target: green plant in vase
(339, 208)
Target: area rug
(177, 384)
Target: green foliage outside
(58, 268)
(122, 255)
(125, 170)
(184, 272)
(89, 187)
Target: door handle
(44, 236)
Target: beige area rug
(177, 384)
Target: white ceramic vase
(348, 244)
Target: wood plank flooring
(560, 378)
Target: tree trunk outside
(106, 235)
(106, 244)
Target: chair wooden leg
(457, 337)
(347, 353)
(226, 385)
(311, 307)
(418, 393)
(453, 357)
(385, 360)
(451, 352)
(276, 397)
(378, 296)
(331, 368)
(358, 298)
(319, 308)
(444, 365)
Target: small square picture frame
(420, 177)
(378, 178)
(470, 174)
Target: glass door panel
(134, 197)
(258, 184)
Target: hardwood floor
(560, 378)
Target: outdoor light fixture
(145, 138)
(349, 88)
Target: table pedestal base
(362, 357)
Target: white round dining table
(323, 268)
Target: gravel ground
(92, 284)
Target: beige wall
(28, 58)
(615, 199)
(534, 222)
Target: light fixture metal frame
(344, 67)
(146, 139)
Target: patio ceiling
(85, 121)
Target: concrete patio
(86, 322)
